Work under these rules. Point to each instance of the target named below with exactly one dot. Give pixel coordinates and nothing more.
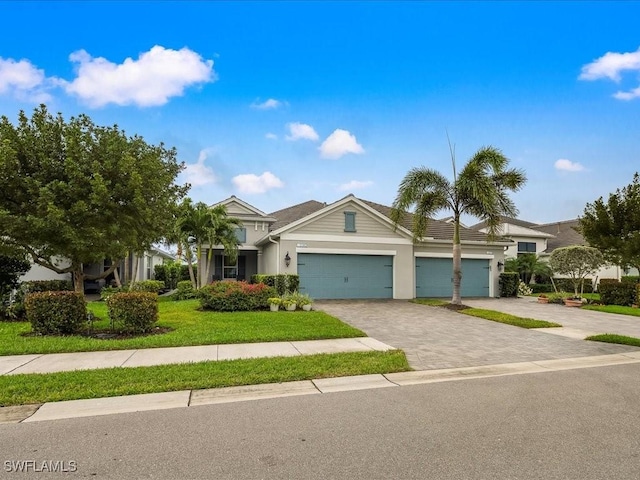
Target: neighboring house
(146, 264)
(351, 249)
(542, 239)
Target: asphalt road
(574, 424)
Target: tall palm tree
(479, 190)
(222, 232)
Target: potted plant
(289, 304)
(574, 301)
(542, 298)
(274, 303)
(304, 301)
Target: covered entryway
(336, 276)
(434, 277)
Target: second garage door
(330, 276)
(434, 277)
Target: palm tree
(480, 190)
(222, 232)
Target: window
(241, 235)
(349, 221)
(229, 270)
(526, 247)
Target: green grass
(432, 302)
(191, 327)
(614, 309)
(588, 296)
(508, 319)
(39, 388)
(613, 338)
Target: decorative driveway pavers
(434, 337)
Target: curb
(193, 398)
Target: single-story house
(351, 249)
(544, 238)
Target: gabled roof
(512, 221)
(248, 210)
(564, 234)
(436, 229)
(294, 213)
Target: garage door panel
(331, 276)
(434, 277)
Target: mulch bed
(108, 334)
(454, 307)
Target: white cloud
(354, 185)
(250, 183)
(610, 65)
(269, 104)
(568, 166)
(150, 80)
(23, 80)
(298, 131)
(339, 143)
(630, 95)
(271, 136)
(198, 174)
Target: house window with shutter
(349, 221)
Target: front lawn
(110, 382)
(614, 309)
(612, 338)
(432, 302)
(508, 319)
(190, 327)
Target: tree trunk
(208, 265)
(127, 268)
(134, 273)
(116, 276)
(189, 255)
(199, 263)
(457, 263)
(78, 279)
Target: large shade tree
(613, 226)
(480, 189)
(82, 192)
(576, 262)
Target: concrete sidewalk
(191, 398)
(64, 362)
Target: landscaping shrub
(235, 296)
(150, 286)
(133, 312)
(55, 313)
(541, 287)
(565, 285)
(185, 291)
(523, 289)
(509, 284)
(283, 283)
(171, 273)
(18, 310)
(11, 268)
(617, 293)
(630, 279)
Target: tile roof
(564, 232)
(512, 221)
(436, 229)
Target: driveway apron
(434, 337)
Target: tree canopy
(480, 189)
(576, 261)
(614, 226)
(81, 191)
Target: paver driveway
(433, 337)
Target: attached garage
(434, 277)
(343, 276)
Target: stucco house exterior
(542, 239)
(351, 249)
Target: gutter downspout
(277, 254)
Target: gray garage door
(434, 277)
(325, 276)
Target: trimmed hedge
(171, 273)
(133, 312)
(235, 296)
(565, 285)
(630, 279)
(184, 291)
(540, 287)
(509, 284)
(150, 286)
(283, 283)
(618, 293)
(56, 313)
(47, 286)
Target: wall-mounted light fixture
(287, 259)
(500, 265)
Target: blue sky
(279, 103)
